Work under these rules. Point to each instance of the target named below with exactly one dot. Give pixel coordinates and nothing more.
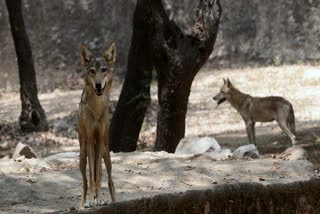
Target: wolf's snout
(99, 89)
(98, 85)
(219, 98)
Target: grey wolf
(93, 123)
(259, 109)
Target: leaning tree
(177, 58)
(32, 116)
(135, 94)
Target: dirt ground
(53, 184)
(299, 84)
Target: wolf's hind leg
(285, 129)
(291, 123)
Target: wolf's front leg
(91, 157)
(107, 161)
(83, 164)
(253, 130)
(250, 132)
(99, 153)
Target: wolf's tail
(291, 121)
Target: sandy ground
(30, 186)
(299, 84)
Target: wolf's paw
(81, 206)
(101, 202)
(89, 204)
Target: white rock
(250, 151)
(196, 145)
(24, 150)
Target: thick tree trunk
(32, 116)
(173, 101)
(177, 59)
(135, 95)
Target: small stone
(31, 181)
(250, 151)
(23, 150)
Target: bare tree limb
(206, 22)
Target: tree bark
(32, 116)
(177, 59)
(135, 94)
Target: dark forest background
(251, 33)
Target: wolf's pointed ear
(229, 85)
(86, 55)
(110, 55)
(224, 81)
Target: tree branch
(206, 23)
(164, 32)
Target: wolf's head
(98, 70)
(225, 92)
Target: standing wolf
(259, 109)
(93, 125)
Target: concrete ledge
(295, 197)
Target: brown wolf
(259, 109)
(93, 125)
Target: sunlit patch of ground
(298, 84)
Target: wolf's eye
(103, 70)
(91, 70)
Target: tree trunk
(135, 94)
(32, 116)
(177, 59)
